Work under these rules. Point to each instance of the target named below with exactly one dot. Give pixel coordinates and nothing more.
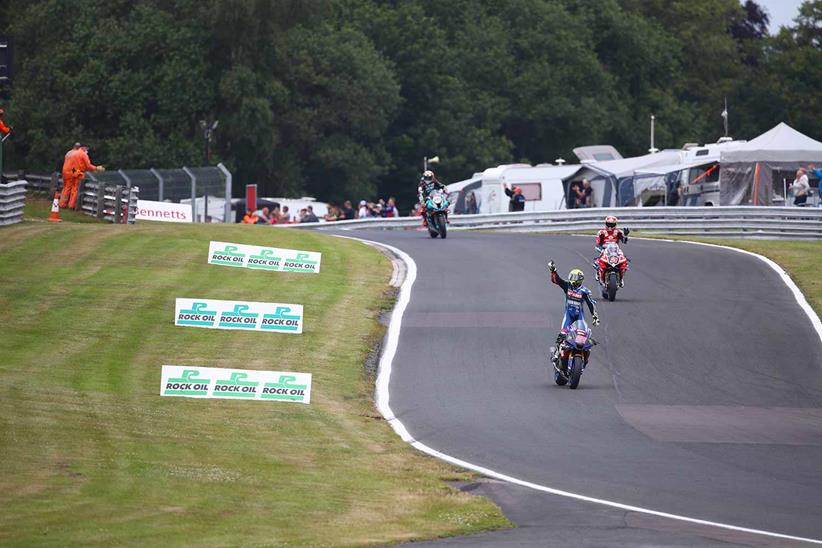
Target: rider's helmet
(610, 221)
(575, 277)
(428, 176)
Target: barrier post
(81, 189)
(118, 200)
(160, 185)
(101, 200)
(228, 184)
(193, 193)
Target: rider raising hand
(611, 234)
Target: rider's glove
(627, 231)
(595, 319)
(551, 266)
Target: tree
(128, 79)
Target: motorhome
(693, 181)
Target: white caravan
(543, 186)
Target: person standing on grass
(75, 165)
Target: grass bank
(90, 454)
(38, 206)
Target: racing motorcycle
(436, 214)
(610, 267)
(574, 351)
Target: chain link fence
(206, 189)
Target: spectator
(573, 192)
(308, 216)
(800, 188)
(310, 210)
(275, 215)
(264, 218)
(374, 210)
(390, 208)
(75, 166)
(818, 174)
(674, 194)
(362, 213)
(585, 194)
(347, 212)
(471, 206)
(333, 213)
(250, 218)
(517, 202)
(285, 216)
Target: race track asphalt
(703, 398)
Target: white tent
(756, 172)
(780, 144)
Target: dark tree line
(343, 98)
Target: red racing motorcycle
(610, 268)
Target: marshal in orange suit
(75, 166)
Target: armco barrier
(12, 202)
(731, 221)
(116, 204)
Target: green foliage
(343, 98)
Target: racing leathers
(611, 236)
(575, 297)
(426, 187)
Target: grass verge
(39, 207)
(90, 454)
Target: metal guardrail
(116, 204)
(735, 221)
(12, 202)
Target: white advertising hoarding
(235, 384)
(264, 258)
(242, 315)
(163, 211)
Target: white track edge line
(392, 338)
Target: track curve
(731, 433)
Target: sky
(782, 12)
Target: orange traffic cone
(55, 209)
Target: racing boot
(555, 351)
